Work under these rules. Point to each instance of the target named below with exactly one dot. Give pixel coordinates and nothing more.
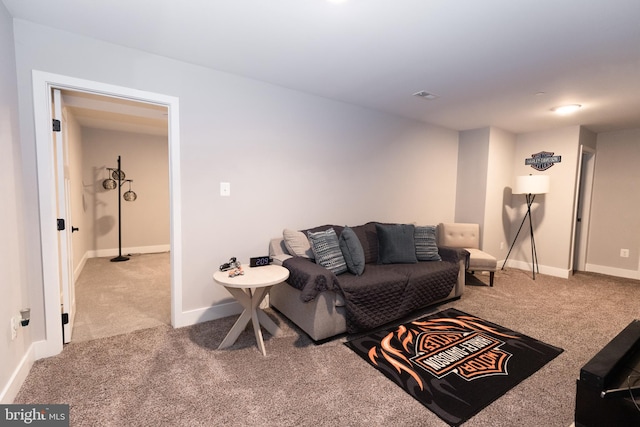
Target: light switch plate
(225, 189)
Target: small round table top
(253, 277)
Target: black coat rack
(117, 179)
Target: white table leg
(250, 300)
(236, 330)
(243, 298)
(269, 324)
(257, 295)
(258, 332)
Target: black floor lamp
(529, 185)
(115, 180)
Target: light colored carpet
(177, 377)
(114, 298)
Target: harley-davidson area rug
(453, 363)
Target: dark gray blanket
(384, 292)
(310, 278)
(394, 291)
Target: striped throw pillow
(426, 248)
(326, 248)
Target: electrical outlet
(624, 253)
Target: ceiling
(103, 112)
(491, 63)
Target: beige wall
(615, 212)
(552, 212)
(14, 288)
(471, 190)
(489, 161)
(500, 166)
(485, 173)
(293, 159)
(145, 222)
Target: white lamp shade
(531, 184)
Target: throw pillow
(369, 239)
(297, 243)
(426, 248)
(326, 248)
(352, 251)
(396, 243)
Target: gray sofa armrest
(280, 259)
(461, 257)
(277, 247)
(456, 255)
(309, 277)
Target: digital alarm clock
(259, 261)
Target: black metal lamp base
(534, 254)
(120, 258)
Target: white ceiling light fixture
(426, 95)
(566, 109)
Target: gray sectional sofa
(378, 274)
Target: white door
(65, 257)
(583, 209)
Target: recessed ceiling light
(336, 1)
(566, 109)
(426, 95)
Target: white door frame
(43, 82)
(65, 245)
(582, 209)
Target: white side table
(250, 289)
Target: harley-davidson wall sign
(542, 161)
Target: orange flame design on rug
(407, 335)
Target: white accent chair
(467, 236)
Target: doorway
(586, 170)
(43, 84)
(114, 299)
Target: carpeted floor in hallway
(114, 298)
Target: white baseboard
(612, 271)
(80, 267)
(544, 269)
(188, 318)
(101, 253)
(19, 375)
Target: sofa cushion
(425, 239)
(352, 251)
(385, 293)
(368, 237)
(373, 298)
(479, 260)
(427, 281)
(396, 243)
(326, 249)
(297, 243)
